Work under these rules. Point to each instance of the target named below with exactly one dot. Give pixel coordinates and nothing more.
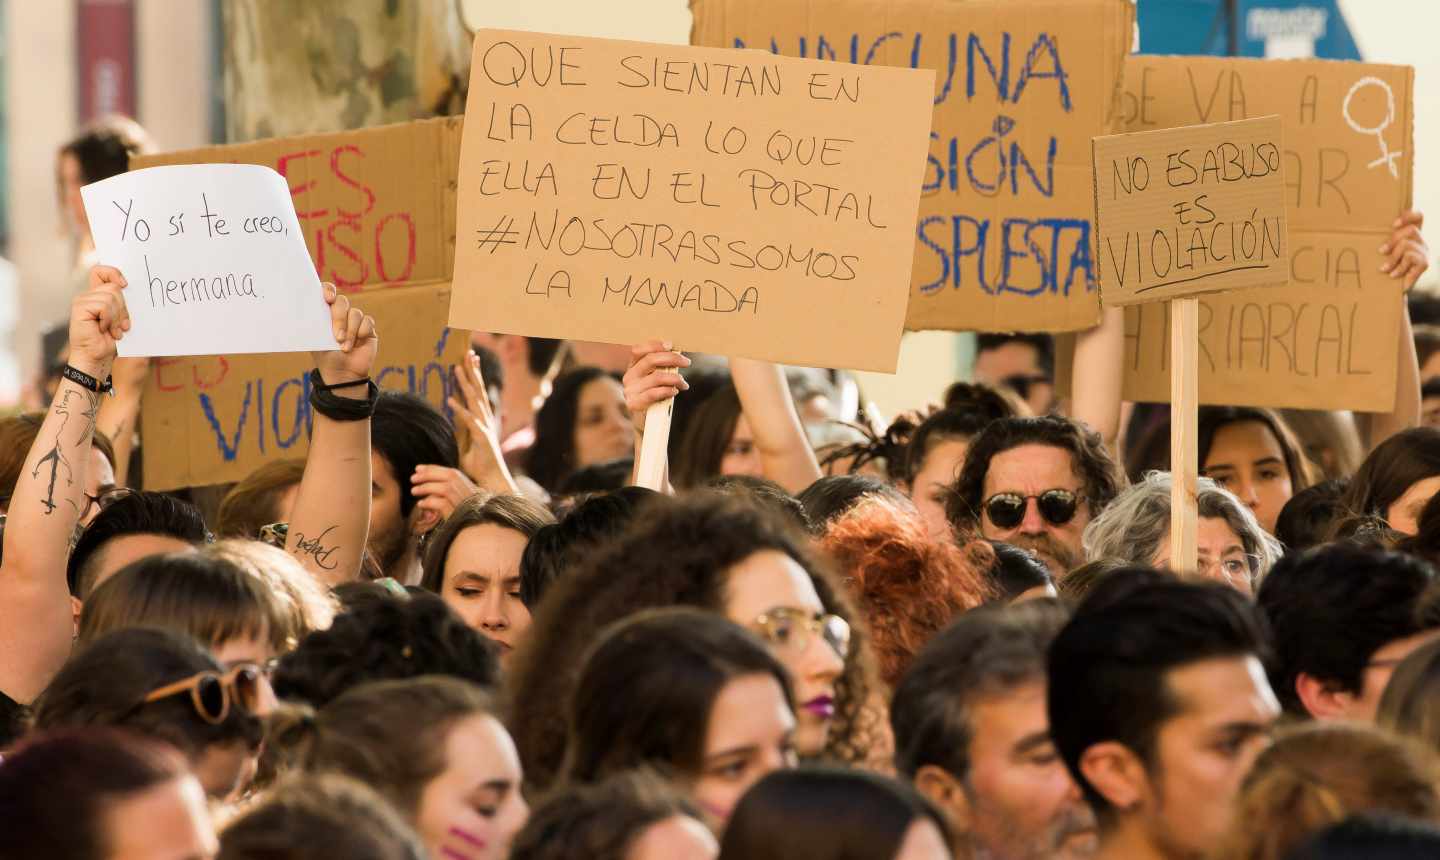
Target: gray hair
(1134, 526)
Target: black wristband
(86, 381)
(326, 403)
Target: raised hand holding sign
(215, 257)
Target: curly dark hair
(678, 555)
(1101, 477)
(383, 639)
(886, 449)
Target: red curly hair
(908, 585)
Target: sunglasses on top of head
(1057, 507)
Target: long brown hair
(390, 735)
(702, 449)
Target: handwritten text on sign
(1197, 209)
(731, 201)
(214, 259)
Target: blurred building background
(195, 72)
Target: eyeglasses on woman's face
(792, 630)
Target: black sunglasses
(1007, 510)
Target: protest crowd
(468, 627)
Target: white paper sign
(214, 258)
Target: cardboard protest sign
(734, 202)
(1002, 241)
(1327, 339)
(215, 419)
(214, 258)
(1191, 210)
(377, 205)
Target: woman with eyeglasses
(1135, 529)
(163, 685)
(722, 555)
(686, 692)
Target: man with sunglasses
(1024, 363)
(1035, 483)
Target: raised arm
(331, 520)
(477, 431)
(1406, 259)
(36, 623)
(119, 416)
(1096, 380)
(785, 454)
(653, 377)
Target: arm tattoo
(316, 548)
(55, 457)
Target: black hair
(1101, 479)
(1016, 570)
(560, 547)
(541, 354)
(384, 639)
(1332, 607)
(104, 148)
(646, 690)
(1372, 836)
(106, 682)
(1108, 668)
(707, 436)
(1307, 518)
(949, 423)
(598, 477)
(131, 513)
(1044, 346)
(833, 496)
(56, 789)
(987, 652)
(822, 813)
(763, 492)
(551, 458)
(704, 381)
(601, 821)
(406, 431)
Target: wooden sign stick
(1184, 430)
(655, 444)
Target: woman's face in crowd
(1220, 554)
(923, 841)
(770, 580)
(1246, 459)
(1403, 515)
(482, 583)
(473, 809)
(602, 423)
(165, 822)
(748, 736)
(676, 836)
(741, 457)
(942, 463)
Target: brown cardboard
(377, 204)
(1327, 339)
(214, 419)
(1034, 269)
(1191, 210)
(735, 202)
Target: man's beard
(1063, 837)
(388, 548)
(1050, 550)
